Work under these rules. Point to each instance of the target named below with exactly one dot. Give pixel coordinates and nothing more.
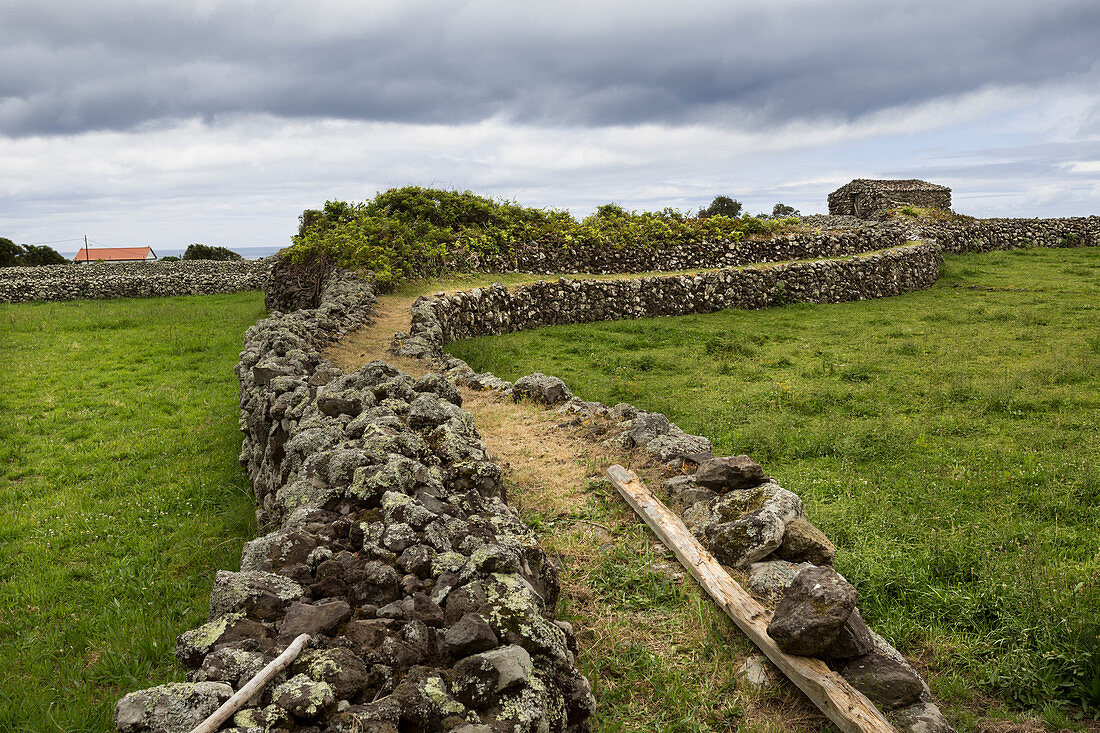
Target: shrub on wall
(416, 232)
(206, 252)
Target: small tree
(722, 206)
(28, 255)
(206, 252)
(9, 252)
(781, 210)
(610, 211)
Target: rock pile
(429, 601)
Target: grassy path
(120, 495)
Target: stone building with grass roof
(863, 197)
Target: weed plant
(423, 232)
(120, 495)
(945, 440)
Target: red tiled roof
(91, 254)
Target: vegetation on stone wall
(417, 232)
(206, 252)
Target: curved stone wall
(130, 279)
(437, 321)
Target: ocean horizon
(249, 253)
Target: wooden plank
(250, 690)
(843, 704)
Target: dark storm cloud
(79, 66)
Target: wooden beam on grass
(250, 690)
(847, 707)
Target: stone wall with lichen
(130, 280)
(389, 542)
(436, 321)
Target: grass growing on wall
(946, 440)
(120, 494)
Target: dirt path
(553, 473)
(613, 571)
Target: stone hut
(864, 196)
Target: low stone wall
(483, 311)
(429, 602)
(539, 258)
(130, 280)
(985, 235)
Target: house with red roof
(116, 254)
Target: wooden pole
(841, 703)
(246, 693)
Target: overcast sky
(218, 122)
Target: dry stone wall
(437, 321)
(539, 258)
(985, 235)
(130, 280)
(429, 602)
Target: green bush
(422, 232)
(206, 252)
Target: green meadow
(946, 440)
(120, 495)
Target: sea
(249, 253)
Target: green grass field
(120, 494)
(946, 440)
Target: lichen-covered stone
(173, 708)
(923, 717)
(304, 698)
(541, 388)
(768, 580)
(746, 539)
(477, 678)
(259, 595)
(230, 665)
(192, 646)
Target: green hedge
(421, 232)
